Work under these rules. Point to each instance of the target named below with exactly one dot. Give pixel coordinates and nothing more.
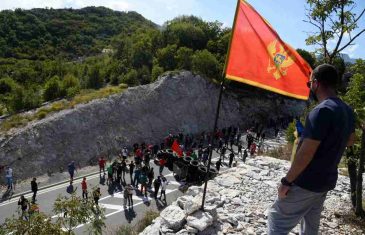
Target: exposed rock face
(181, 102)
(242, 207)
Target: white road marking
(111, 206)
(122, 209)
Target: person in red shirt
(162, 164)
(84, 188)
(102, 164)
(253, 149)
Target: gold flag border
(266, 87)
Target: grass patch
(140, 226)
(85, 96)
(15, 121)
(282, 152)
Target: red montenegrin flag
(176, 148)
(258, 57)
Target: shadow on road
(130, 214)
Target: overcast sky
(286, 16)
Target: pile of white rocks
(237, 201)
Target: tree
(333, 20)
(94, 79)
(37, 223)
(131, 78)
(144, 75)
(183, 58)
(70, 85)
(205, 63)
(166, 57)
(309, 58)
(74, 211)
(52, 89)
(355, 97)
(156, 71)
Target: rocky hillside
(175, 102)
(237, 202)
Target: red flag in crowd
(176, 148)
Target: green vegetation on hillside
(41, 61)
(47, 54)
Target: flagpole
(218, 106)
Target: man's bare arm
(303, 157)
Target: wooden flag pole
(218, 107)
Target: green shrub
(205, 63)
(94, 79)
(126, 230)
(32, 97)
(140, 226)
(131, 78)
(70, 85)
(156, 72)
(41, 114)
(53, 89)
(289, 132)
(146, 220)
(15, 101)
(7, 85)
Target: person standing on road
(245, 154)
(84, 188)
(125, 153)
(24, 204)
(231, 157)
(70, 189)
(162, 163)
(164, 184)
(9, 177)
(223, 153)
(137, 173)
(131, 170)
(129, 190)
(252, 149)
(156, 185)
(239, 147)
(143, 181)
(124, 168)
(218, 164)
(71, 170)
(329, 129)
(102, 164)
(151, 176)
(96, 196)
(34, 187)
(109, 181)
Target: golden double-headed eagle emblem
(279, 60)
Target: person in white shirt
(9, 177)
(125, 153)
(164, 184)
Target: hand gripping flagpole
(218, 107)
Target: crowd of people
(136, 163)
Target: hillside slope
(175, 102)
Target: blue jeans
(9, 182)
(300, 205)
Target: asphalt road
(112, 201)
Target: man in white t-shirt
(9, 177)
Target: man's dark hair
(326, 75)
